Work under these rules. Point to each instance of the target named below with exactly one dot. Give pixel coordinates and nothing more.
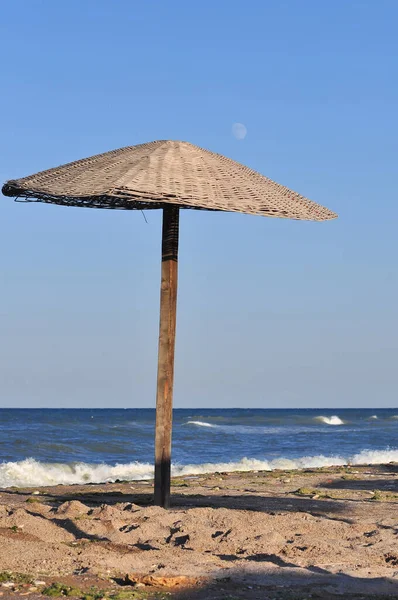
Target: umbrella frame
(169, 175)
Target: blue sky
(272, 313)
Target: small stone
(286, 480)
(36, 493)
(39, 582)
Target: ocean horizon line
(194, 408)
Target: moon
(239, 131)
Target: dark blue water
(43, 446)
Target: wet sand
(320, 533)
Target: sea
(41, 447)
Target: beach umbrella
(169, 175)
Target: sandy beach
(319, 533)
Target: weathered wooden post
(167, 329)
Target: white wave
(375, 457)
(243, 429)
(32, 473)
(334, 420)
(200, 424)
(373, 418)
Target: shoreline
(332, 528)
(30, 472)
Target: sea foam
(32, 473)
(201, 424)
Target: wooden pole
(164, 398)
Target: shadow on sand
(286, 581)
(384, 485)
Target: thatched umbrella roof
(168, 175)
(165, 172)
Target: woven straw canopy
(161, 173)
